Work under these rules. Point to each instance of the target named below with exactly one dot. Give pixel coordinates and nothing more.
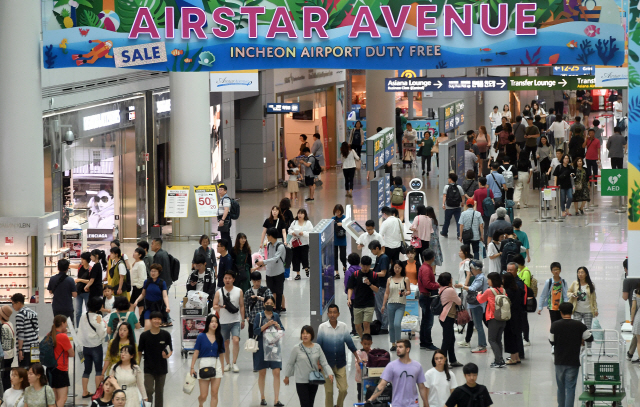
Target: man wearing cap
(8, 337)
(472, 219)
(225, 262)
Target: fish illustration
(486, 60)
(572, 44)
(591, 31)
(177, 52)
(501, 53)
(83, 32)
(485, 49)
(188, 60)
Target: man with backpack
(507, 170)
(471, 228)
(161, 257)
(470, 394)
(484, 203)
(509, 247)
(553, 294)
(452, 204)
(224, 213)
(63, 289)
(202, 279)
(309, 174)
(364, 283)
(497, 184)
(276, 258)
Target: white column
(22, 163)
(190, 140)
(381, 105)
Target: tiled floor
(597, 241)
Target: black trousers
(357, 148)
(343, 257)
(426, 158)
(6, 373)
(448, 339)
(300, 256)
(425, 246)
(616, 163)
(306, 393)
(525, 326)
(592, 167)
(349, 173)
(353, 326)
(26, 360)
(394, 255)
(276, 285)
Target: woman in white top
(495, 117)
(349, 158)
(299, 230)
(582, 295)
(395, 300)
(138, 276)
(129, 374)
(506, 112)
(14, 396)
(292, 180)
(537, 110)
(436, 149)
(558, 127)
(439, 382)
(91, 334)
(493, 253)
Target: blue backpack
(488, 207)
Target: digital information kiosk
(414, 198)
(322, 271)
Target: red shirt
(593, 147)
(426, 279)
(63, 344)
(479, 195)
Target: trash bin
(155, 231)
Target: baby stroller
(409, 155)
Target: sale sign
(206, 200)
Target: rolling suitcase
(536, 179)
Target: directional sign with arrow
(445, 84)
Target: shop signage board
(376, 151)
(612, 77)
(573, 70)
(176, 204)
(238, 81)
(445, 84)
(278, 108)
(212, 36)
(581, 82)
(614, 182)
(389, 144)
(453, 114)
(206, 200)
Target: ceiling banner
(223, 35)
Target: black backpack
(288, 258)
(475, 399)
(175, 267)
(510, 249)
(316, 169)
(454, 199)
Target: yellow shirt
(115, 359)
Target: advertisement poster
(206, 200)
(216, 143)
(93, 191)
(191, 327)
(423, 126)
(176, 204)
(459, 168)
(193, 36)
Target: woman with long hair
(109, 386)
(422, 227)
(91, 334)
(84, 275)
(154, 295)
(439, 382)
(513, 328)
(581, 184)
(483, 141)
(275, 220)
(544, 154)
(434, 241)
(264, 321)
(130, 376)
(125, 336)
(39, 394)
(523, 166)
(339, 240)
(356, 138)
(209, 346)
(94, 286)
(349, 158)
(138, 275)
(464, 277)
(62, 351)
(395, 299)
(299, 230)
(241, 255)
(449, 299)
(496, 328)
(117, 273)
(285, 210)
(564, 174)
(582, 294)
(506, 112)
(14, 395)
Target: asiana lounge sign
(222, 35)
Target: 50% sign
(206, 200)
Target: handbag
(189, 384)
(99, 391)
(467, 234)
(296, 243)
(315, 376)
(404, 247)
(251, 345)
(416, 242)
(207, 372)
(463, 317)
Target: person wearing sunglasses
(101, 211)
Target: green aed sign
(614, 182)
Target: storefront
(99, 169)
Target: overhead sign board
(206, 200)
(176, 204)
(222, 36)
(276, 108)
(451, 116)
(445, 84)
(612, 77)
(240, 81)
(573, 70)
(554, 83)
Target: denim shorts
(93, 358)
(229, 330)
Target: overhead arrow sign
(564, 83)
(445, 84)
(439, 84)
(502, 84)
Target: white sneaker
(553, 350)
(227, 368)
(464, 344)
(236, 369)
(526, 343)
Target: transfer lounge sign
(217, 35)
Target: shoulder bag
(403, 245)
(207, 372)
(251, 345)
(467, 234)
(315, 376)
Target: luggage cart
(412, 309)
(192, 321)
(370, 378)
(602, 378)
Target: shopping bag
(598, 335)
(189, 384)
(271, 342)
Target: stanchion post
(595, 191)
(558, 217)
(541, 217)
(622, 206)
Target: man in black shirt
(462, 395)
(383, 264)
(567, 336)
(365, 284)
(155, 344)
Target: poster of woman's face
(191, 328)
(95, 194)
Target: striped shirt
(27, 328)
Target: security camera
(68, 137)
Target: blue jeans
(477, 315)
(566, 378)
(448, 213)
(80, 299)
(566, 198)
(383, 317)
(395, 312)
(92, 359)
(427, 321)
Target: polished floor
(597, 241)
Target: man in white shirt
(554, 163)
(495, 117)
(392, 233)
(617, 111)
(232, 320)
(368, 237)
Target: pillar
(22, 163)
(190, 140)
(381, 105)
